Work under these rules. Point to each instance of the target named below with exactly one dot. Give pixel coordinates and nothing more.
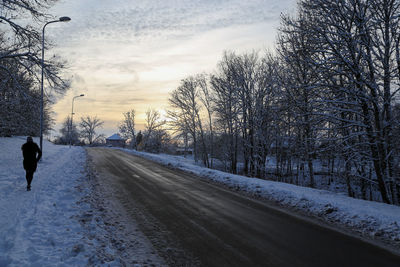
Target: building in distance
(115, 140)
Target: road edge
(353, 230)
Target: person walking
(29, 150)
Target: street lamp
(72, 116)
(62, 19)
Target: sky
(130, 54)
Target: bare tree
(181, 127)
(153, 121)
(155, 136)
(68, 133)
(186, 100)
(89, 126)
(23, 43)
(207, 97)
(243, 96)
(127, 127)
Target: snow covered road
(219, 227)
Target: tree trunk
(347, 172)
(375, 154)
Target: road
(192, 222)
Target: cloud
(162, 19)
(119, 102)
(130, 54)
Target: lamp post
(62, 19)
(72, 116)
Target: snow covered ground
(372, 219)
(57, 223)
(64, 221)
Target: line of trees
(20, 64)
(328, 92)
(155, 138)
(84, 132)
(230, 115)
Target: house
(115, 140)
(184, 151)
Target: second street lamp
(72, 116)
(62, 19)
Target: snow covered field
(56, 223)
(373, 219)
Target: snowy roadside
(37, 227)
(371, 219)
(55, 224)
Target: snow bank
(56, 223)
(38, 227)
(369, 218)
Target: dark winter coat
(29, 151)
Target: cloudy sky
(125, 54)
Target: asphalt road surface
(195, 223)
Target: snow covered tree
(266, 114)
(227, 106)
(360, 38)
(298, 49)
(20, 62)
(20, 104)
(244, 75)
